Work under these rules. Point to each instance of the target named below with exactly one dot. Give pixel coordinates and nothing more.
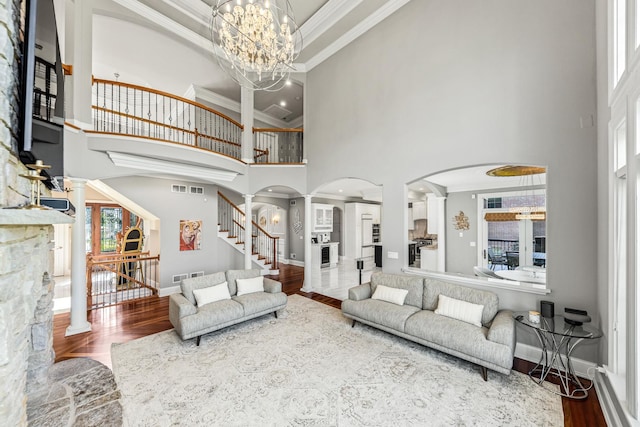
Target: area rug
(309, 367)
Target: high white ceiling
(156, 32)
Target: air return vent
(196, 190)
(277, 111)
(177, 278)
(176, 188)
(197, 274)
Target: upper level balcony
(139, 112)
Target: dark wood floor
(133, 320)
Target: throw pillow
(392, 295)
(249, 286)
(460, 310)
(211, 294)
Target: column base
(79, 329)
(306, 288)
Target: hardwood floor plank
(137, 319)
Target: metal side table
(558, 339)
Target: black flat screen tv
(41, 112)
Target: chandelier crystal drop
(255, 41)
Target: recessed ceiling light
(283, 103)
(297, 98)
(269, 190)
(421, 188)
(340, 191)
(288, 82)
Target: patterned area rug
(310, 368)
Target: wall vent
(277, 111)
(197, 274)
(196, 190)
(177, 278)
(175, 188)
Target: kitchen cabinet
(322, 217)
(410, 217)
(316, 254)
(333, 254)
(428, 259)
(433, 214)
(359, 217)
(419, 210)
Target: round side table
(557, 340)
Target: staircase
(264, 247)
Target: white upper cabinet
(322, 217)
(419, 210)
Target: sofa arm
(360, 292)
(180, 307)
(503, 329)
(272, 286)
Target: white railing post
(246, 114)
(248, 231)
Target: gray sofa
(490, 345)
(191, 321)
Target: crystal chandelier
(255, 41)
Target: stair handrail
(146, 115)
(273, 239)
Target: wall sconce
(275, 219)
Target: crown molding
(364, 26)
(172, 168)
(166, 23)
(325, 18)
(195, 9)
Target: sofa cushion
(460, 310)
(447, 332)
(211, 315)
(188, 285)
(380, 312)
(412, 284)
(211, 294)
(392, 295)
(433, 288)
(247, 286)
(257, 302)
(232, 275)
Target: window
(520, 240)
(493, 203)
(619, 39)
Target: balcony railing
(141, 112)
(116, 278)
(126, 109)
(277, 145)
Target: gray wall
(155, 195)
(460, 256)
(441, 85)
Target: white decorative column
(442, 226)
(248, 231)
(79, 39)
(307, 285)
(246, 117)
(79, 321)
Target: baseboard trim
(163, 292)
(613, 412)
(583, 368)
(296, 263)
